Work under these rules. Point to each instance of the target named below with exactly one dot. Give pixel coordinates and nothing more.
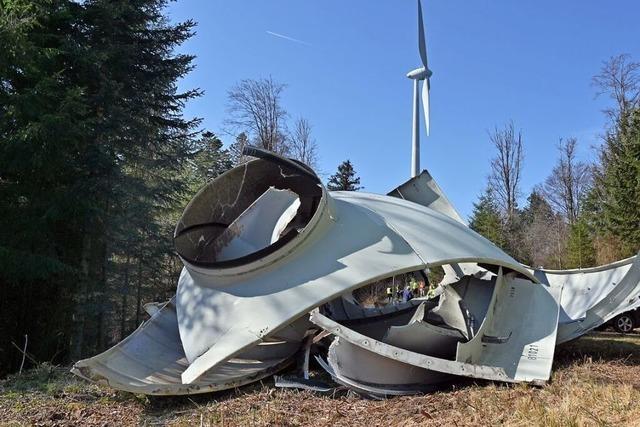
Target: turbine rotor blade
(425, 103)
(422, 44)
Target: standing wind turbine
(423, 73)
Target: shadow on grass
(158, 406)
(56, 382)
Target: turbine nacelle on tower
(421, 73)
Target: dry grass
(596, 381)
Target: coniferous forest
(96, 162)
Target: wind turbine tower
(422, 74)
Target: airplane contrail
(291, 39)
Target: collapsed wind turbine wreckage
(271, 259)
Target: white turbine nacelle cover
(265, 244)
(419, 74)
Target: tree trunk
(100, 297)
(123, 301)
(139, 290)
(79, 319)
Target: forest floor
(595, 381)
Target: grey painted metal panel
(622, 295)
(582, 289)
(377, 326)
(435, 237)
(451, 311)
(475, 295)
(425, 191)
(366, 371)
(457, 271)
(343, 309)
(373, 390)
(519, 331)
(423, 337)
(364, 366)
(151, 361)
(406, 356)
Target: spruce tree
(209, 161)
(94, 153)
(130, 70)
(580, 248)
(43, 118)
(345, 179)
(618, 185)
(485, 218)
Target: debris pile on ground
(271, 261)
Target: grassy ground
(596, 381)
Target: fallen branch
(24, 353)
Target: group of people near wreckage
(411, 290)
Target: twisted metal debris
(271, 260)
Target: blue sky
(493, 61)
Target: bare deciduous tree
(568, 183)
(302, 145)
(619, 78)
(506, 168)
(544, 233)
(254, 107)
